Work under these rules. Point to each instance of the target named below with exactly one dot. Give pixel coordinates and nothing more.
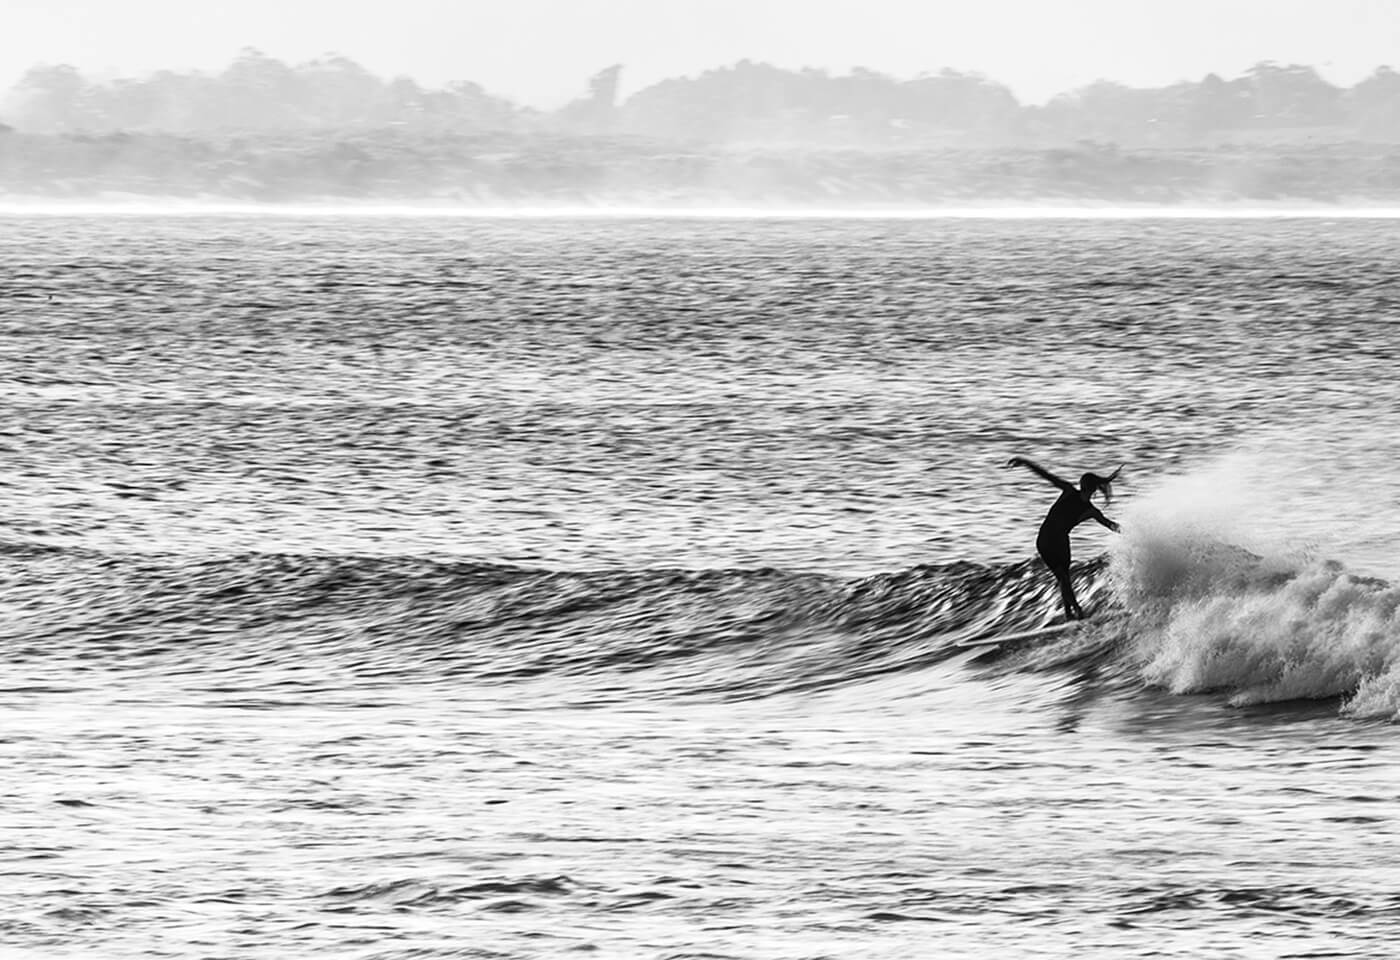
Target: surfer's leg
(1072, 609)
(1055, 552)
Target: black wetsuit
(1066, 513)
(1069, 511)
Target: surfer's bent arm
(1094, 514)
(1041, 472)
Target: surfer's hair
(1092, 483)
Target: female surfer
(1071, 509)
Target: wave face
(1172, 608)
(296, 620)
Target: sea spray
(1226, 595)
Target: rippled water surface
(390, 587)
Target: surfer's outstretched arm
(1098, 517)
(1041, 472)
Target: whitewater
(412, 586)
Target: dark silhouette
(1071, 509)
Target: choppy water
(404, 587)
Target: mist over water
(1316, 491)
(441, 586)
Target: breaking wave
(1229, 591)
(1207, 617)
(1175, 605)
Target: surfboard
(1001, 638)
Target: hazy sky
(542, 51)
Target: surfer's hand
(1015, 462)
(1114, 527)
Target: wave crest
(604, 634)
(1209, 616)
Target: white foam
(1233, 587)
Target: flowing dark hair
(1092, 483)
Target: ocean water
(448, 587)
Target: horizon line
(175, 208)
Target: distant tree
(1373, 105)
(259, 92)
(958, 101)
(602, 87)
(862, 104)
(182, 102)
(759, 102)
(595, 113)
(404, 99)
(52, 99)
(749, 96)
(1293, 96)
(1216, 104)
(466, 107)
(337, 92)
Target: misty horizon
(627, 90)
(750, 135)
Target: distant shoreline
(147, 206)
(510, 173)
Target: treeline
(747, 103)
(750, 134)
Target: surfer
(1071, 509)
